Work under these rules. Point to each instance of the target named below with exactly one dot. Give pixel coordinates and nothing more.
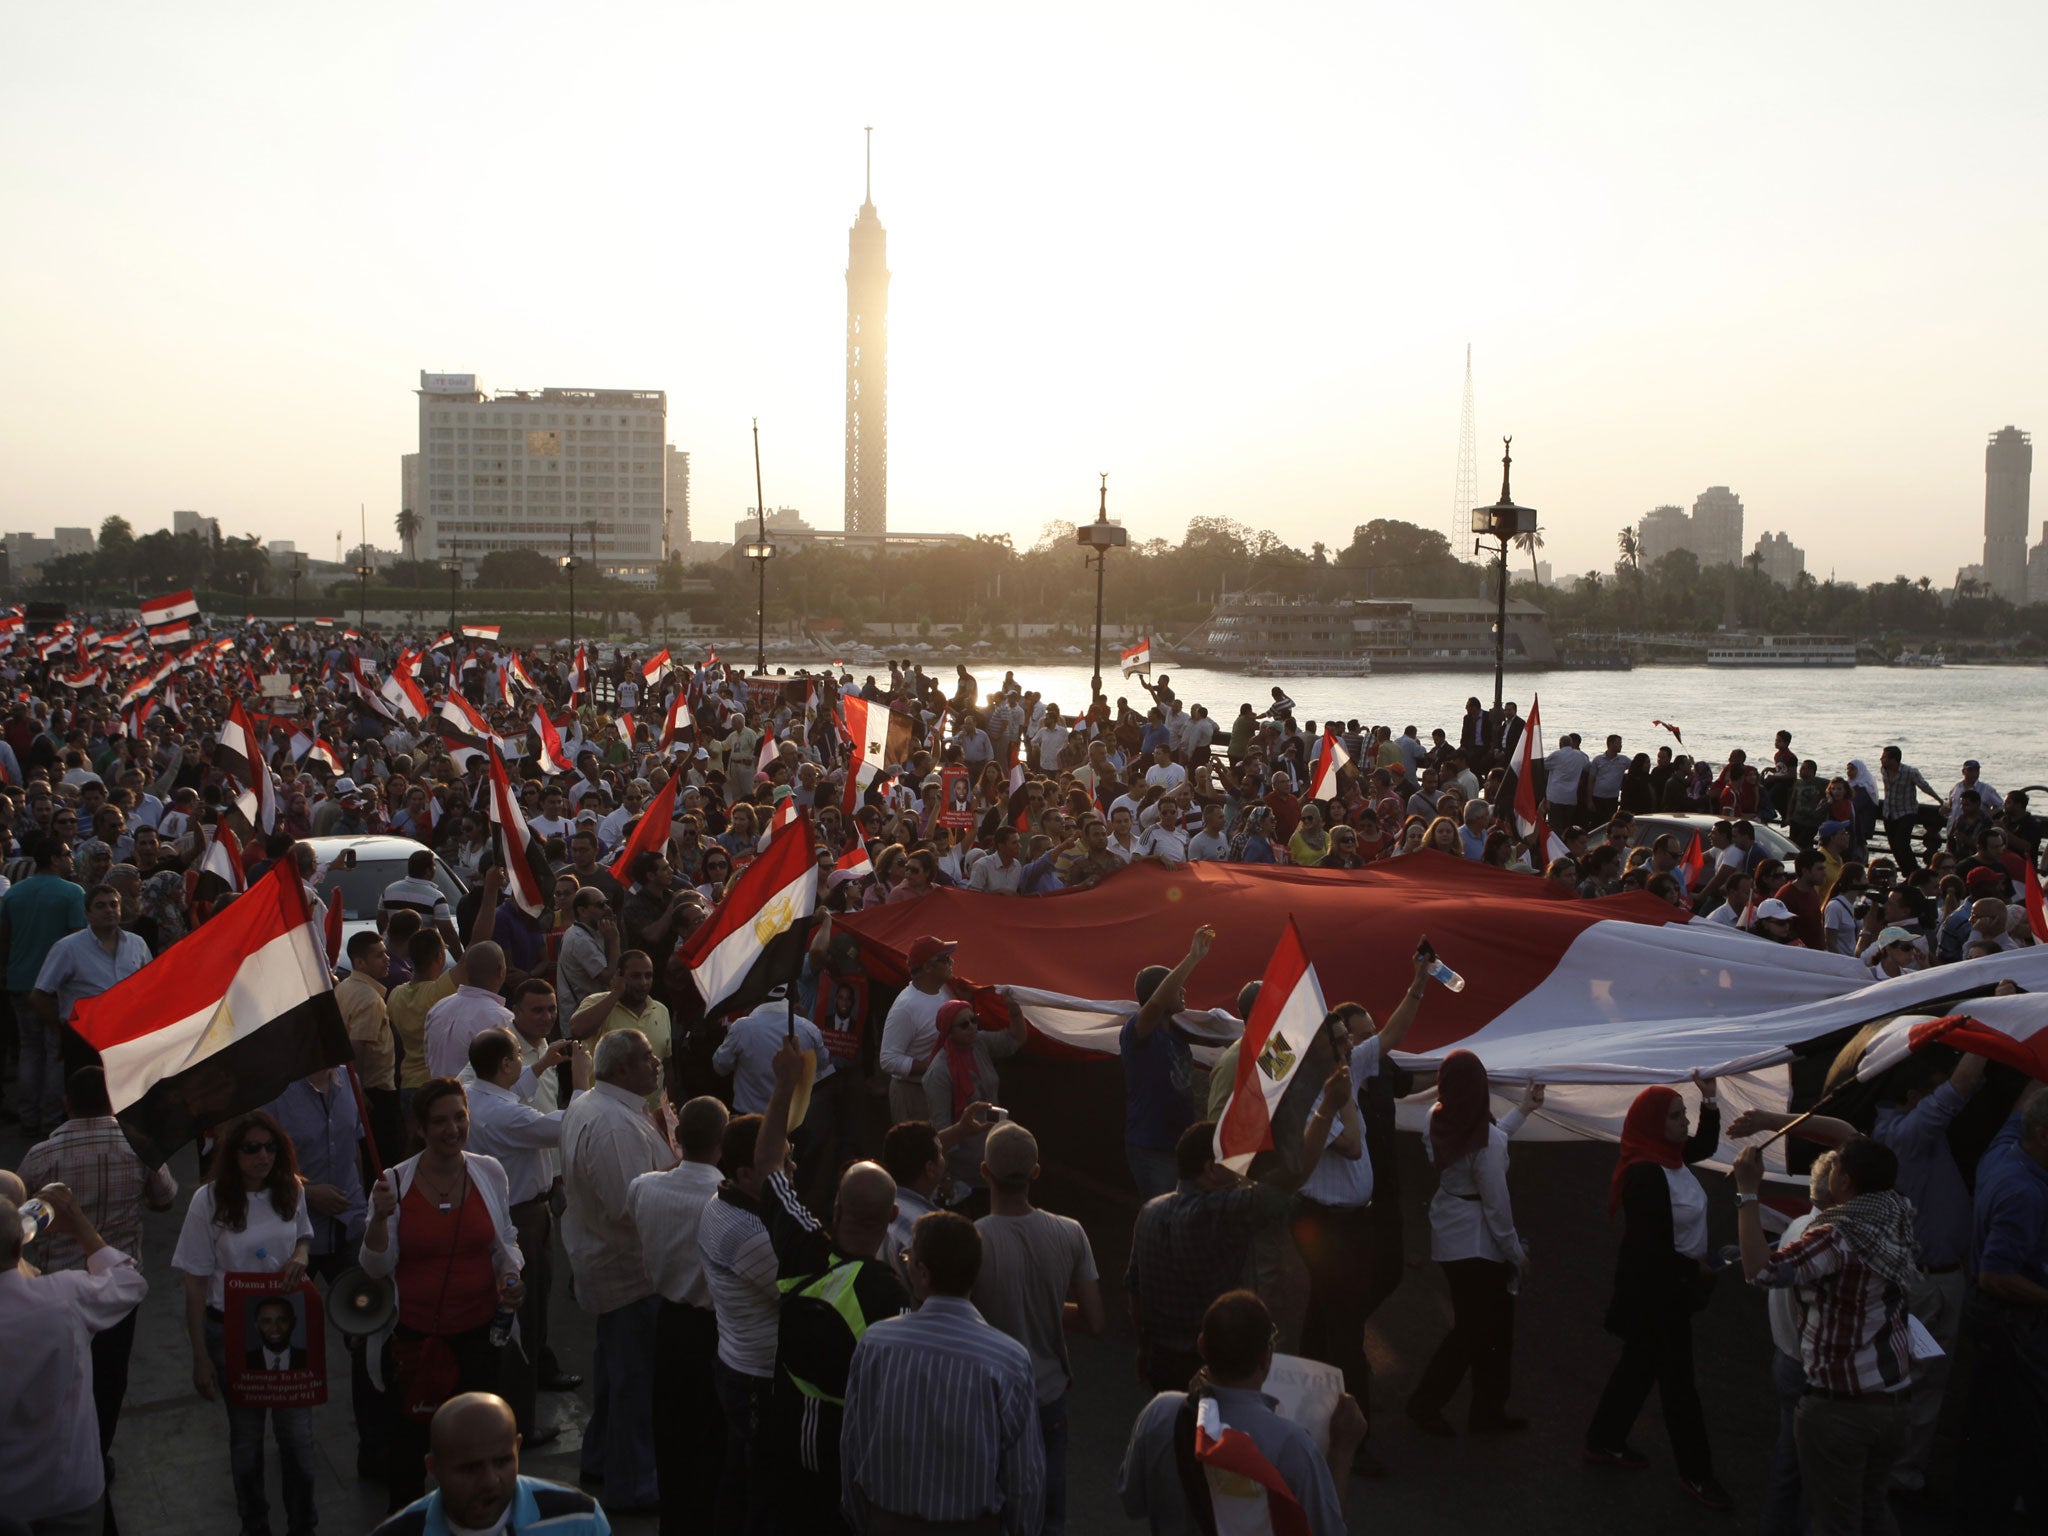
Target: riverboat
(1781, 651)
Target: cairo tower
(867, 368)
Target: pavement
(171, 1448)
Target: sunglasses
(258, 1149)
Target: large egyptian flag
(221, 1022)
(754, 942)
(526, 865)
(1328, 761)
(652, 831)
(1247, 1494)
(1277, 1039)
(879, 738)
(169, 618)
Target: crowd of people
(823, 1295)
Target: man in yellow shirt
(432, 980)
(360, 996)
(628, 1005)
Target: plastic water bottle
(1443, 973)
(501, 1327)
(36, 1216)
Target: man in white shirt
(911, 1031)
(1001, 869)
(1562, 771)
(473, 1008)
(668, 1212)
(1165, 772)
(609, 1140)
(1164, 838)
(1989, 800)
(52, 1476)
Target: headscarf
(1253, 825)
(1643, 1139)
(1462, 1117)
(960, 1065)
(163, 900)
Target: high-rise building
(208, 528)
(1779, 558)
(677, 490)
(787, 519)
(540, 469)
(2008, 469)
(1713, 532)
(867, 367)
(2037, 569)
(28, 552)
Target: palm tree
(409, 529)
(1631, 549)
(1529, 543)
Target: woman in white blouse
(250, 1218)
(1472, 1234)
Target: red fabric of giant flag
(1328, 761)
(526, 867)
(1138, 657)
(652, 831)
(1247, 1494)
(754, 941)
(171, 606)
(2037, 914)
(240, 737)
(222, 1022)
(1528, 814)
(1277, 1038)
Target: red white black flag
(553, 756)
(526, 866)
(222, 1022)
(651, 832)
(1284, 1024)
(1332, 757)
(755, 940)
(240, 737)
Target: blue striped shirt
(942, 1421)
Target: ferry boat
(1274, 635)
(1781, 651)
(1921, 659)
(1311, 666)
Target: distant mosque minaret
(867, 366)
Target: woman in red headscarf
(1472, 1234)
(1661, 1278)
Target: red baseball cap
(927, 949)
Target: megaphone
(359, 1304)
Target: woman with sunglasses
(457, 1268)
(713, 874)
(249, 1217)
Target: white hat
(1773, 908)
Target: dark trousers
(534, 1221)
(1784, 1511)
(689, 1423)
(1481, 1341)
(369, 1406)
(1335, 1243)
(744, 1498)
(111, 1349)
(1899, 834)
(476, 1367)
(1659, 1356)
(2005, 1417)
(1389, 1244)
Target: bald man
(474, 1458)
(796, 1448)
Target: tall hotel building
(541, 470)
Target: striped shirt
(110, 1183)
(740, 1271)
(1855, 1337)
(942, 1421)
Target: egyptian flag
(1328, 761)
(1284, 1024)
(1138, 657)
(1692, 866)
(224, 858)
(481, 632)
(506, 696)
(78, 682)
(651, 831)
(323, 753)
(402, 687)
(169, 618)
(880, 739)
(784, 814)
(1246, 1491)
(445, 641)
(517, 669)
(526, 865)
(628, 729)
(1528, 814)
(755, 940)
(222, 1022)
(579, 673)
(456, 710)
(678, 721)
(655, 669)
(855, 861)
(239, 736)
(2012, 1030)
(553, 757)
(769, 747)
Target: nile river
(1937, 716)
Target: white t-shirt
(1688, 1212)
(911, 1031)
(1052, 741)
(263, 1246)
(552, 826)
(1169, 775)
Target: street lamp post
(363, 595)
(569, 565)
(298, 574)
(1503, 522)
(452, 564)
(1100, 537)
(760, 552)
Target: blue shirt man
(37, 912)
(319, 1114)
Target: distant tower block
(2008, 472)
(867, 368)
(1466, 496)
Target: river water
(1937, 716)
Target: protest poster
(956, 799)
(1305, 1392)
(842, 1014)
(274, 1342)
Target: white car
(380, 861)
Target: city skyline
(1235, 267)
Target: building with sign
(543, 470)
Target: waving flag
(517, 668)
(220, 1023)
(1528, 814)
(755, 940)
(1666, 725)
(1693, 866)
(78, 682)
(323, 753)
(579, 675)
(526, 866)
(678, 721)
(443, 643)
(171, 607)
(402, 690)
(855, 861)
(553, 757)
(656, 668)
(628, 729)
(240, 737)
(1328, 761)
(1138, 657)
(651, 832)
(456, 710)
(223, 857)
(481, 632)
(880, 738)
(1277, 1037)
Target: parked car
(1775, 844)
(380, 860)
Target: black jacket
(1656, 1286)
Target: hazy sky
(1230, 254)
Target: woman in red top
(458, 1268)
